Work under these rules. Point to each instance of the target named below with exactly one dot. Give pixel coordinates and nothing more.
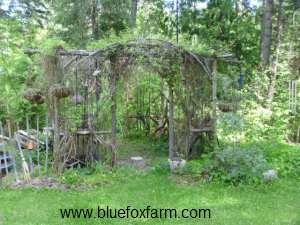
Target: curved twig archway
(191, 88)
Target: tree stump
(137, 161)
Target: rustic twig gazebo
(190, 80)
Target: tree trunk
(297, 4)
(134, 4)
(95, 27)
(266, 35)
(273, 76)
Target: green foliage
(265, 124)
(50, 46)
(71, 176)
(236, 165)
(222, 27)
(112, 38)
(115, 16)
(192, 171)
(283, 158)
(14, 68)
(230, 126)
(153, 19)
(162, 168)
(72, 19)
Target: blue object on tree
(241, 80)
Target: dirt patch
(49, 182)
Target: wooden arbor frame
(163, 58)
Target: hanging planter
(226, 107)
(60, 91)
(34, 96)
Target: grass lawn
(278, 203)
(273, 204)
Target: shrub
(285, 159)
(236, 165)
(71, 176)
(162, 168)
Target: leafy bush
(162, 168)
(284, 158)
(71, 176)
(236, 165)
(49, 46)
(263, 124)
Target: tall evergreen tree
(266, 34)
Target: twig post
(47, 144)
(5, 155)
(15, 167)
(30, 157)
(171, 123)
(38, 143)
(214, 97)
(8, 124)
(114, 119)
(24, 163)
(56, 150)
(1, 129)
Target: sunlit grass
(262, 204)
(265, 204)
